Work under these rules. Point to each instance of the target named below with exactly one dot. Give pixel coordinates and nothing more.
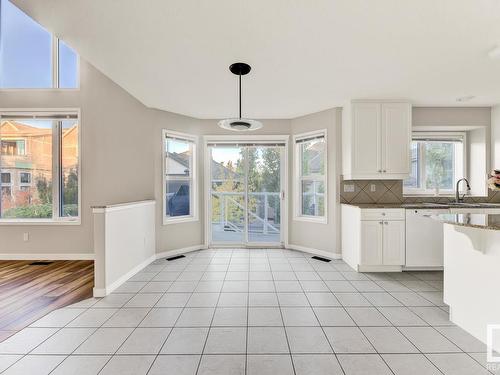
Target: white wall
(323, 237)
(495, 137)
(124, 243)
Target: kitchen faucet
(457, 192)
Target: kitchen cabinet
(376, 138)
(373, 239)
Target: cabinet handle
(384, 171)
(381, 222)
(386, 223)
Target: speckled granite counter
(483, 221)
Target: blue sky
(25, 53)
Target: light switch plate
(373, 188)
(349, 188)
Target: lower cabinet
(373, 239)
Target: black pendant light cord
(240, 94)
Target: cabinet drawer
(383, 214)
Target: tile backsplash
(391, 192)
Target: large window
(437, 162)
(310, 177)
(31, 57)
(41, 182)
(179, 155)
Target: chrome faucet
(457, 192)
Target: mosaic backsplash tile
(391, 191)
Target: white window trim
(193, 191)
(55, 156)
(462, 136)
(297, 179)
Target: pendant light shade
(240, 124)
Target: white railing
(226, 198)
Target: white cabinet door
(371, 243)
(393, 243)
(396, 134)
(366, 137)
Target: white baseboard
(311, 250)
(102, 292)
(171, 253)
(47, 256)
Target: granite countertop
(398, 205)
(425, 205)
(483, 221)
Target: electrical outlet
(373, 188)
(349, 188)
(26, 236)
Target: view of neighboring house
(26, 162)
(177, 165)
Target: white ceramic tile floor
(237, 311)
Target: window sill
(179, 220)
(311, 219)
(39, 222)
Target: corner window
(30, 56)
(310, 177)
(179, 155)
(437, 162)
(41, 182)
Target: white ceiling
(306, 55)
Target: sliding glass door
(246, 193)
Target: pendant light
(240, 124)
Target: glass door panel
(264, 194)
(228, 194)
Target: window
(437, 162)
(179, 154)
(46, 184)
(6, 178)
(13, 147)
(31, 57)
(310, 177)
(24, 178)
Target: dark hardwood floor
(28, 292)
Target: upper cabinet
(376, 137)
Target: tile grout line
(213, 315)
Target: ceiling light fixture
(240, 124)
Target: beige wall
(121, 162)
(116, 158)
(451, 116)
(324, 237)
(182, 235)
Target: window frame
(193, 178)
(55, 68)
(56, 170)
(21, 183)
(437, 136)
(298, 178)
